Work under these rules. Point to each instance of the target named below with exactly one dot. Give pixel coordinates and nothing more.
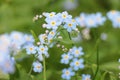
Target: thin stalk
(70, 38)
(29, 73)
(97, 60)
(44, 66)
(76, 77)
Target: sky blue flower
(90, 21)
(52, 23)
(28, 38)
(37, 67)
(114, 17)
(31, 49)
(81, 20)
(99, 18)
(77, 64)
(40, 57)
(52, 33)
(70, 25)
(65, 58)
(65, 16)
(43, 50)
(42, 38)
(111, 14)
(67, 73)
(116, 21)
(70, 4)
(7, 64)
(17, 37)
(86, 77)
(77, 52)
(49, 15)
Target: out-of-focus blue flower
(90, 20)
(37, 67)
(5, 42)
(77, 64)
(103, 36)
(116, 21)
(100, 19)
(31, 49)
(7, 63)
(86, 77)
(70, 4)
(65, 58)
(111, 14)
(43, 50)
(81, 20)
(67, 73)
(17, 38)
(114, 17)
(28, 39)
(77, 52)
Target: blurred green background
(18, 15)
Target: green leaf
(64, 41)
(103, 76)
(35, 36)
(110, 66)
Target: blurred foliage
(18, 15)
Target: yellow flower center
(70, 25)
(77, 63)
(73, 20)
(42, 49)
(87, 78)
(66, 57)
(51, 15)
(52, 33)
(64, 16)
(113, 11)
(31, 49)
(38, 67)
(67, 72)
(77, 52)
(53, 23)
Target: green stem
(29, 73)
(97, 58)
(70, 38)
(76, 77)
(44, 65)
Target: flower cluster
(53, 21)
(73, 58)
(114, 17)
(40, 50)
(90, 20)
(10, 45)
